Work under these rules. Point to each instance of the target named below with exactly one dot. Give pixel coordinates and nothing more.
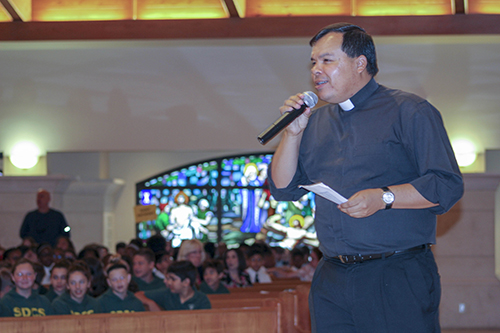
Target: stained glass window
(224, 199)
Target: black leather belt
(357, 258)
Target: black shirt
(390, 137)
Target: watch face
(388, 197)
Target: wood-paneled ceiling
(184, 19)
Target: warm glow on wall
(483, 7)
(194, 9)
(397, 7)
(88, 10)
(4, 15)
(298, 8)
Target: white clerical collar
(347, 105)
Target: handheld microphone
(310, 100)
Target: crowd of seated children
(213, 273)
(143, 265)
(76, 300)
(100, 282)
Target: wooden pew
(258, 319)
(291, 310)
(273, 286)
(304, 318)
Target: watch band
(387, 195)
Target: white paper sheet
(325, 192)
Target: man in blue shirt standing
(44, 224)
(388, 152)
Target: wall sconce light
(24, 155)
(465, 152)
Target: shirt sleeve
(24, 227)
(292, 192)
(440, 180)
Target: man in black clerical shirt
(44, 224)
(388, 152)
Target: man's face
(334, 74)
(58, 279)
(142, 268)
(118, 281)
(43, 199)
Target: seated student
(6, 281)
(143, 265)
(163, 260)
(213, 272)
(58, 275)
(181, 295)
(256, 269)
(77, 301)
(118, 299)
(22, 301)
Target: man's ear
(109, 282)
(361, 63)
(129, 277)
(221, 275)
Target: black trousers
(399, 294)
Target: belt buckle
(355, 258)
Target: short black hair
(63, 263)
(255, 250)
(116, 266)
(184, 269)
(215, 264)
(146, 253)
(356, 41)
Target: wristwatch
(388, 197)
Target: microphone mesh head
(310, 99)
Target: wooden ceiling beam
(11, 10)
(231, 8)
(247, 28)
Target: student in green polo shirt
(22, 301)
(58, 275)
(143, 265)
(76, 301)
(213, 272)
(117, 299)
(181, 293)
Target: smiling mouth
(319, 83)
